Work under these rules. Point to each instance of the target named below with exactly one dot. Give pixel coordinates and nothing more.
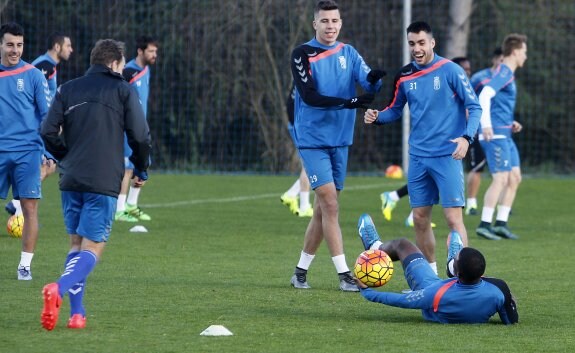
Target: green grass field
(221, 250)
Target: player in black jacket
(84, 130)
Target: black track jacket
(93, 112)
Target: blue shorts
(21, 170)
(501, 155)
(325, 165)
(432, 178)
(418, 273)
(88, 215)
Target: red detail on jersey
(139, 75)
(440, 294)
(326, 53)
(53, 74)
(17, 71)
(434, 67)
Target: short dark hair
(497, 52)
(55, 38)
(142, 42)
(513, 41)
(106, 51)
(470, 265)
(325, 5)
(13, 28)
(459, 59)
(418, 26)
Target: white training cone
(138, 229)
(216, 330)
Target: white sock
(503, 213)
(471, 202)
(394, 196)
(26, 258)
(487, 214)
(121, 203)
(17, 205)
(450, 267)
(433, 266)
(375, 245)
(340, 264)
(303, 200)
(133, 196)
(410, 217)
(294, 190)
(305, 260)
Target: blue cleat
(367, 231)
(10, 208)
(454, 245)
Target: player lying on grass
(467, 298)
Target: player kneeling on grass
(94, 111)
(467, 298)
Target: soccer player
(137, 73)
(497, 99)
(438, 93)
(59, 49)
(475, 156)
(23, 105)
(296, 198)
(468, 298)
(325, 73)
(85, 130)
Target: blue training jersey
(23, 105)
(438, 95)
(325, 77)
(139, 77)
(451, 302)
(503, 104)
(47, 65)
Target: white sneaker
(24, 273)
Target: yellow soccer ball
(374, 268)
(15, 225)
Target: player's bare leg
(424, 237)
(29, 237)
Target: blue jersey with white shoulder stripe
(503, 103)
(438, 95)
(23, 104)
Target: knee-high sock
(76, 293)
(77, 269)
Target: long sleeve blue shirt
(23, 104)
(438, 95)
(325, 77)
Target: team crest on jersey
(20, 84)
(436, 83)
(342, 62)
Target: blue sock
(76, 293)
(77, 269)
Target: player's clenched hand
(516, 126)
(140, 177)
(461, 149)
(370, 116)
(359, 101)
(487, 133)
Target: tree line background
(218, 89)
